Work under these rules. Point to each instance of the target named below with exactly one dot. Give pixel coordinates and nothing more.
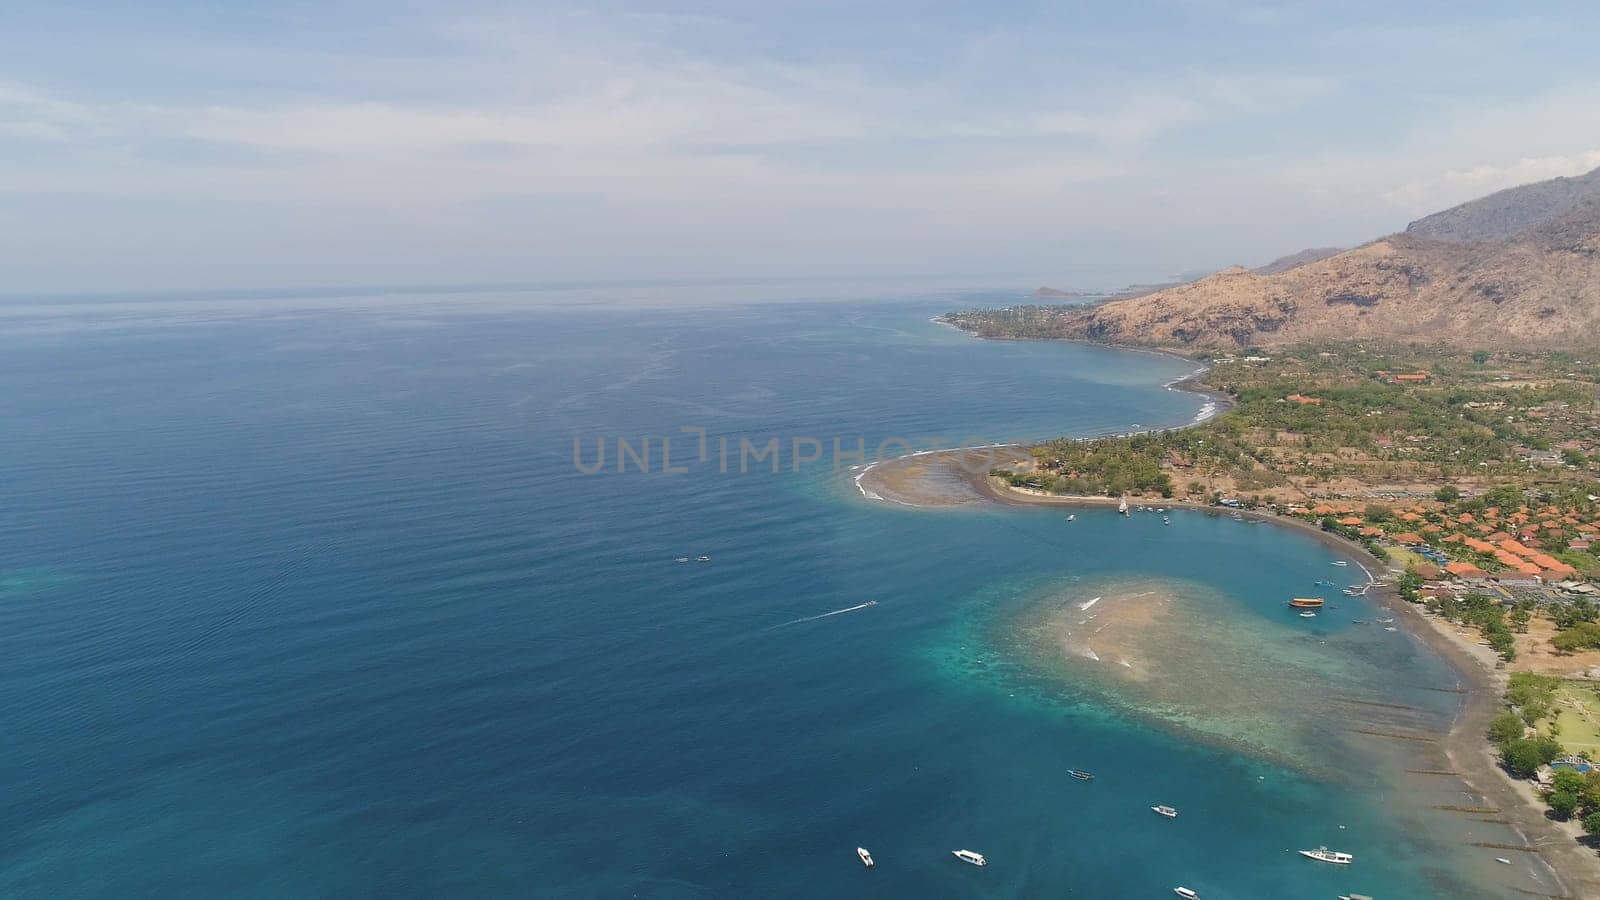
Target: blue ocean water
(312, 600)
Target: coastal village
(1474, 478)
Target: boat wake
(837, 612)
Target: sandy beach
(960, 477)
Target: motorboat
(866, 858)
(1167, 811)
(1323, 854)
(967, 856)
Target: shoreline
(1574, 866)
(1478, 674)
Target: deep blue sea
(308, 598)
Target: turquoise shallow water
(312, 601)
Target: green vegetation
(1547, 718)
(1532, 695)
(1108, 466)
(1339, 420)
(1487, 615)
(1582, 636)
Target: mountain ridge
(1520, 267)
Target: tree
(1519, 620)
(1567, 781)
(1591, 823)
(1480, 356)
(1566, 792)
(1505, 728)
(1447, 494)
(1524, 756)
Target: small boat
(703, 559)
(1167, 811)
(1122, 506)
(1307, 602)
(967, 856)
(1072, 517)
(1324, 583)
(1308, 614)
(1323, 854)
(1354, 897)
(866, 858)
(1390, 628)
(1340, 562)
(1080, 774)
(1186, 893)
(683, 559)
(1166, 521)
(1502, 860)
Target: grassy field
(1404, 557)
(1578, 714)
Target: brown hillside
(1539, 288)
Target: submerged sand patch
(1180, 655)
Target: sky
(166, 146)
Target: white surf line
(837, 612)
(1370, 579)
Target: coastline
(906, 481)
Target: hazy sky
(152, 145)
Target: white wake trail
(837, 612)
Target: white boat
(1323, 854)
(1167, 811)
(703, 558)
(1354, 897)
(967, 856)
(683, 559)
(1186, 893)
(866, 858)
(1308, 614)
(1340, 562)
(1502, 860)
(1122, 506)
(1072, 517)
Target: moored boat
(1323, 854)
(1307, 602)
(866, 858)
(1167, 811)
(967, 856)
(1186, 893)
(1080, 774)
(1340, 562)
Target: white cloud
(1458, 186)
